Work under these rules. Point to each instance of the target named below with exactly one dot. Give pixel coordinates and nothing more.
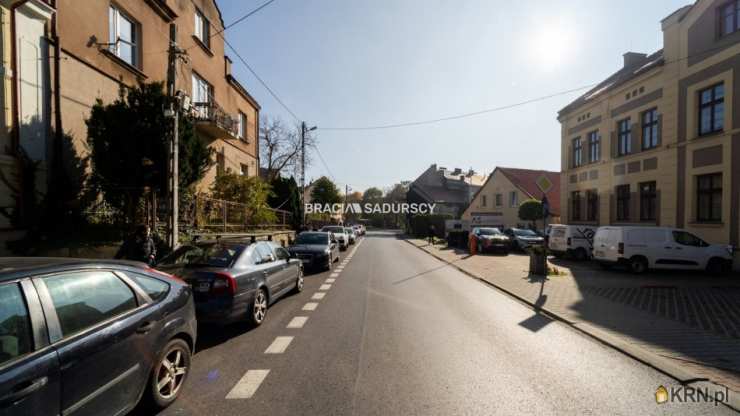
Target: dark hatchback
(315, 249)
(235, 280)
(88, 337)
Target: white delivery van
(574, 241)
(641, 248)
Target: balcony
(213, 120)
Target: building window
(623, 203)
(241, 126)
(202, 94)
(711, 109)
(513, 199)
(594, 146)
(220, 163)
(499, 200)
(624, 137)
(577, 152)
(122, 36)
(592, 206)
(202, 29)
(244, 171)
(729, 17)
(575, 202)
(650, 129)
(709, 198)
(483, 201)
(648, 201)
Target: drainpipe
(15, 111)
(57, 156)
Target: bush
(420, 224)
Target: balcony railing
(211, 114)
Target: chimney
(633, 58)
(227, 66)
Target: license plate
(203, 286)
(599, 253)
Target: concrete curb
(661, 364)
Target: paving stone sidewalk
(688, 320)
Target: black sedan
(235, 280)
(315, 249)
(88, 337)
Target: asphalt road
(400, 333)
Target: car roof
(313, 232)
(14, 267)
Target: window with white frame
(241, 126)
(202, 28)
(122, 36)
(202, 93)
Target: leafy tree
(250, 191)
(286, 196)
(530, 210)
(372, 194)
(325, 192)
(128, 142)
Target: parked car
(339, 233)
(361, 228)
(491, 239)
(358, 229)
(315, 249)
(642, 248)
(235, 280)
(351, 235)
(91, 336)
(522, 238)
(574, 241)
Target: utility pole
(304, 131)
(173, 150)
(346, 193)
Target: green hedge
(420, 224)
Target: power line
(236, 22)
(323, 162)
(463, 115)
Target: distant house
(451, 190)
(497, 202)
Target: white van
(641, 248)
(574, 241)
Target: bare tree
(280, 147)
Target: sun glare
(552, 47)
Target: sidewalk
(685, 326)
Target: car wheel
(717, 267)
(259, 308)
(638, 265)
(299, 282)
(169, 374)
(580, 254)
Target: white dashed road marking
(325, 287)
(248, 385)
(279, 345)
(297, 322)
(330, 280)
(318, 296)
(310, 306)
(334, 275)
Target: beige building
(658, 142)
(496, 204)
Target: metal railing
(213, 113)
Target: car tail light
(163, 274)
(620, 248)
(224, 283)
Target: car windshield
(489, 231)
(525, 233)
(334, 229)
(206, 255)
(312, 238)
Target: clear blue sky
(339, 63)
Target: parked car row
(96, 337)
(492, 239)
(639, 248)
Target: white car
(351, 234)
(642, 248)
(339, 234)
(574, 241)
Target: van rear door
(605, 244)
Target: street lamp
(304, 130)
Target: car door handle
(23, 390)
(145, 327)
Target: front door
(270, 268)
(29, 370)
(103, 337)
